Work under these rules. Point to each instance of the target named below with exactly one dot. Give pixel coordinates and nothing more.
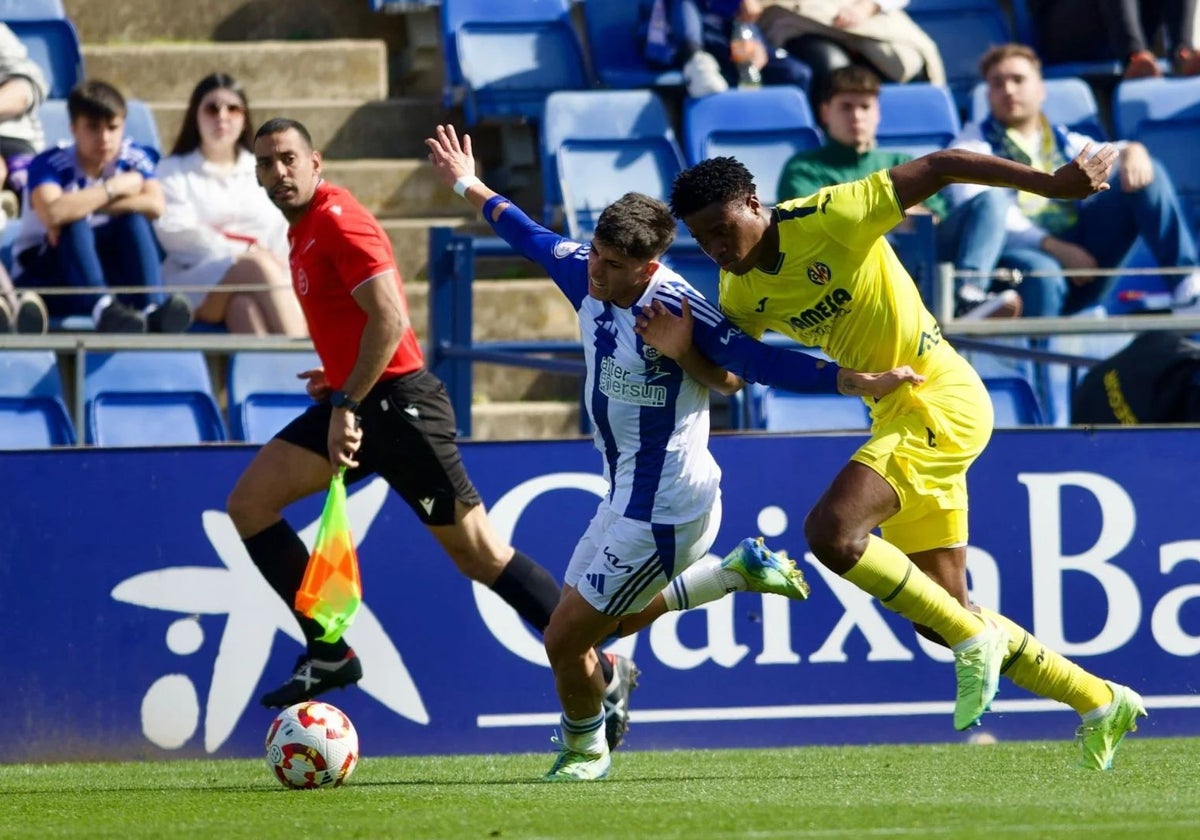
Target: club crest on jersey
(301, 282)
(566, 248)
(819, 273)
(649, 353)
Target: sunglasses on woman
(214, 109)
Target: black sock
(281, 557)
(529, 589)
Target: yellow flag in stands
(331, 591)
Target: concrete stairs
(368, 87)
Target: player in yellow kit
(819, 270)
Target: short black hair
(96, 99)
(718, 180)
(278, 125)
(637, 225)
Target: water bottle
(742, 44)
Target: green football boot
(1098, 739)
(766, 571)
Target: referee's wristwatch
(340, 399)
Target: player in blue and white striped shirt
(650, 415)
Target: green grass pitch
(1008, 790)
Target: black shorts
(408, 439)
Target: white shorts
(620, 564)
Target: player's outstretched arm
(878, 385)
(454, 165)
(671, 335)
(725, 346)
(921, 177)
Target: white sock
(102, 304)
(585, 736)
(700, 583)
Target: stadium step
(353, 69)
(341, 128)
(525, 420)
(392, 188)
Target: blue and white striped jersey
(650, 418)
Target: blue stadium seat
(264, 394)
(140, 124)
(1013, 402)
(1069, 102)
(1164, 114)
(917, 118)
(963, 31)
(762, 128)
(11, 10)
(151, 398)
(616, 56)
(504, 58)
(604, 144)
(784, 411)
(32, 413)
(54, 45)
(686, 259)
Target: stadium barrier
(145, 631)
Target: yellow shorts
(922, 442)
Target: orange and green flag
(331, 591)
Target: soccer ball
(312, 745)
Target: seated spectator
(219, 227)
(87, 222)
(1042, 235)
(1124, 30)
(22, 89)
(698, 36)
(828, 34)
(849, 111)
(1156, 379)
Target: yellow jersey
(838, 284)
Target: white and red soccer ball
(312, 745)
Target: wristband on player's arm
(464, 183)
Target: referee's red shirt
(335, 246)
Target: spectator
(219, 227)
(1092, 30)
(849, 111)
(22, 90)
(828, 34)
(1046, 235)
(87, 218)
(1156, 379)
(698, 37)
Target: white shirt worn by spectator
(213, 213)
(1022, 231)
(15, 63)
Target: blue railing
(452, 258)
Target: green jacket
(834, 163)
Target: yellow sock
(1036, 668)
(885, 572)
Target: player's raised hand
(666, 332)
(451, 158)
(1086, 175)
